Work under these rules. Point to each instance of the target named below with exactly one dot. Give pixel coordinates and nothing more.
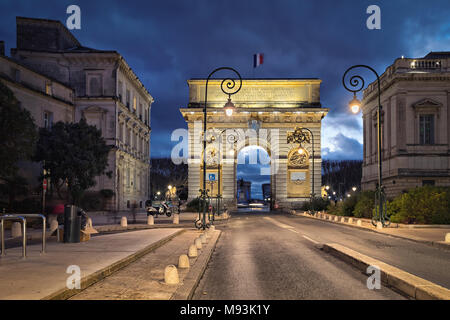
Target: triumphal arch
(283, 116)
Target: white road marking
(290, 228)
(279, 224)
(307, 238)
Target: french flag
(258, 59)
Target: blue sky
(167, 42)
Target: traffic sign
(212, 177)
(44, 184)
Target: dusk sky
(167, 42)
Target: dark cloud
(346, 149)
(168, 42)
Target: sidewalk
(40, 276)
(144, 279)
(429, 235)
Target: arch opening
(253, 179)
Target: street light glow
(229, 108)
(354, 104)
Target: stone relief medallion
(212, 157)
(298, 160)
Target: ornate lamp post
(298, 136)
(228, 87)
(356, 85)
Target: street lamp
(228, 87)
(354, 189)
(356, 85)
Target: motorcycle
(156, 208)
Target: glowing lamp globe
(229, 108)
(354, 104)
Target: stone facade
(105, 91)
(267, 111)
(415, 97)
(45, 98)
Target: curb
(89, 280)
(407, 283)
(192, 279)
(436, 244)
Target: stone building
(269, 114)
(415, 97)
(98, 85)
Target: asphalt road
(265, 256)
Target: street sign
(212, 177)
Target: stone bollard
(150, 220)
(53, 226)
(447, 237)
(192, 252)
(350, 220)
(16, 230)
(203, 238)
(183, 262)
(359, 223)
(379, 226)
(123, 222)
(171, 275)
(342, 219)
(198, 243)
(176, 218)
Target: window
(121, 125)
(128, 98)
(48, 88)
(48, 120)
(134, 103)
(15, 74)
(120, 91)
(95, 85)
(426, 129)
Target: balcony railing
(426, 64)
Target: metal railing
(23, 218)
(44, 223)
(24, 232)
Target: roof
(258, 78)
(437, 55)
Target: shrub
(348, 206)
(318, 204)
(91, 201)
(107, 193)
(29, 205)
(393, 209)
(424, 205)
(365, 204)
(193, 205)
(336, 209)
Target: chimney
(2, 48)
